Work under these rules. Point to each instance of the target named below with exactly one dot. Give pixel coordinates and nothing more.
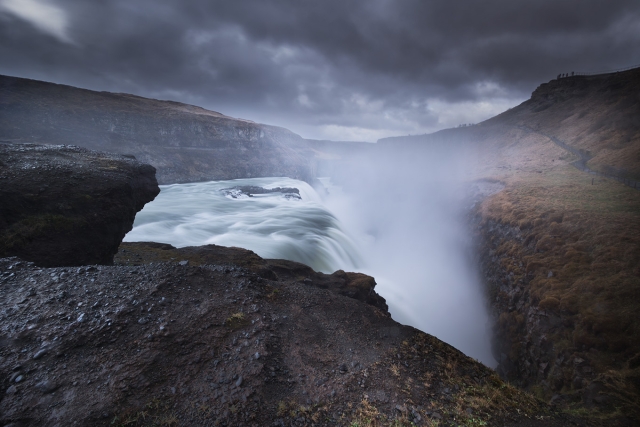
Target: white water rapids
(269, 224)
(417, 256)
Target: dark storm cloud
(322, 68)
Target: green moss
(236, 320)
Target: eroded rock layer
(183, 142)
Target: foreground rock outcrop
(183, 142)
(199, 342)
(65, 205)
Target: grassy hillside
(575, 269)
(598, 115)
(561, 246)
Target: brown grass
(582, 260)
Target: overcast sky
(326, 69)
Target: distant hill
(184, 142)
(595, 117)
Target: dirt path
(583, 158)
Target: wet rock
(251, 190)
(354, 285)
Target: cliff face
(65, 205)
(560, 246)
(183, 142)
(559, 280)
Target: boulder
(62, 205)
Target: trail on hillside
(583, 158)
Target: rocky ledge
(64, 205)
(354, 285)
(182, 343)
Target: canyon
(558, 249)
(216, 335)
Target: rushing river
(272, 225)
(412, 242)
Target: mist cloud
(345, 70)
(407, 213)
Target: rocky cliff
(201, 340)
(65, 205)
(183, 142)
(354, 285)
(201, 336)
(559, 281)
(560, 245)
